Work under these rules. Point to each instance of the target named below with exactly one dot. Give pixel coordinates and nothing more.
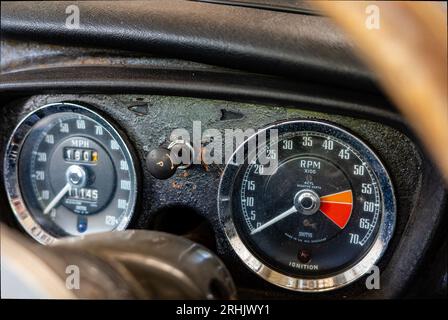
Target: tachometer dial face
(321, 219)
(68, 172)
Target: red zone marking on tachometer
(337, 207)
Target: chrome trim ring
(11, 161)
(324, 283)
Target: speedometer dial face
(321, 219)
(68, 172)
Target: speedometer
(68, 172)
(317, 222)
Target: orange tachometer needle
(337, 207)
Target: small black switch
(160, 164)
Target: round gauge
(320, 218)
(68, 172)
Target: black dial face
(75, 174)
(318, 213)
(330, 197)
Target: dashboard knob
(160, 163)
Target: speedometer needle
(58, 198)
(274, 220)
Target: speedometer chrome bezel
(318, 284)
(11, 163)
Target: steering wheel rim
(405, 44)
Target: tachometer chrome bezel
(11, 162)
(318, 284)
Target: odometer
(68, 172)
(321, 219)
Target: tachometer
(319, 221)
(69, 172)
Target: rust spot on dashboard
(185, 174)
(176, 185)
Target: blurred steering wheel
(405, 44)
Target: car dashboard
(87, 119)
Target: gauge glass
(68, 172)
(321, 219)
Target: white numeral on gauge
(49, 138)
(40, 175)
(125, 185)
(114, 145)
(41, 157)
(250, 201)
(366, 188)
(124, 165)
(271, 154)
(98, 130)
(364, 223)
(344, 154)
(307, 141)
(45, 194)
(354, 238)
(110, 220)
(251, 185)
(253, 215)
(369, 206)
(63, 127)
(80, 124)
(287, 144)
(328, 144)
(259, 169)
(358, 170)
(122, 204)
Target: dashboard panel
(187, 202)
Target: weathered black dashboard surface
(187, 203)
